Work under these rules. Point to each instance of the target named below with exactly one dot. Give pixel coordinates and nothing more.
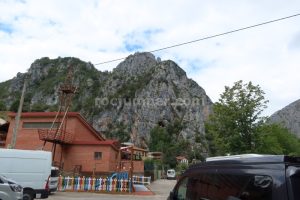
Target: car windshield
(7, 179)
(2, 176)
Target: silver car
(54, 179)
(9, 189)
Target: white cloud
(98, 31)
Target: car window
(54, 173)
(1, 182)
(226, 187)
(295, 180)
(181, 190)
(294, 176)
(200, 186)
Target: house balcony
(55, 136)
(68, 88)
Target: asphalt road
(160, 188)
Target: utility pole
(17, 119)
(131, 168)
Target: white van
(171, 174)
(31, 169)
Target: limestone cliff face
(140, 93)
(289, 117)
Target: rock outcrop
(140, 93)
(288, 117)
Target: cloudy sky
(99, 31)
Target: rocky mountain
(289, 117)
(140, 93)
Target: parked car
(53, 182)
(241, 177)
(29, 168)
(171, 174)
(9, 189)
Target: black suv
(241, 177)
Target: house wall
(84, 155)
(28, 138)
(138, 166)
(82, 133)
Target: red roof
(41, 114)
(53, 114)
(181, 158)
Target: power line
(209, 37)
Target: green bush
(2, 106)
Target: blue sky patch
(51, 22)
(7, 28)
(136, 40)
(133, 47)
(196, 66)
(148, 33)
(294, 44)
(21, 1)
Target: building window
(39, 125)
(98, 155)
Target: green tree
(14, 106)
(2, 106)
(119, 132)
(275, 139)
(159, 138)
(39, 107)
(170, 142)
(233, 126)
(199, 148)
(180, 167)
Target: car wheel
(27, 196)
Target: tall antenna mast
(58, 134)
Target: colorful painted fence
(141, 180)
(94, 184)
